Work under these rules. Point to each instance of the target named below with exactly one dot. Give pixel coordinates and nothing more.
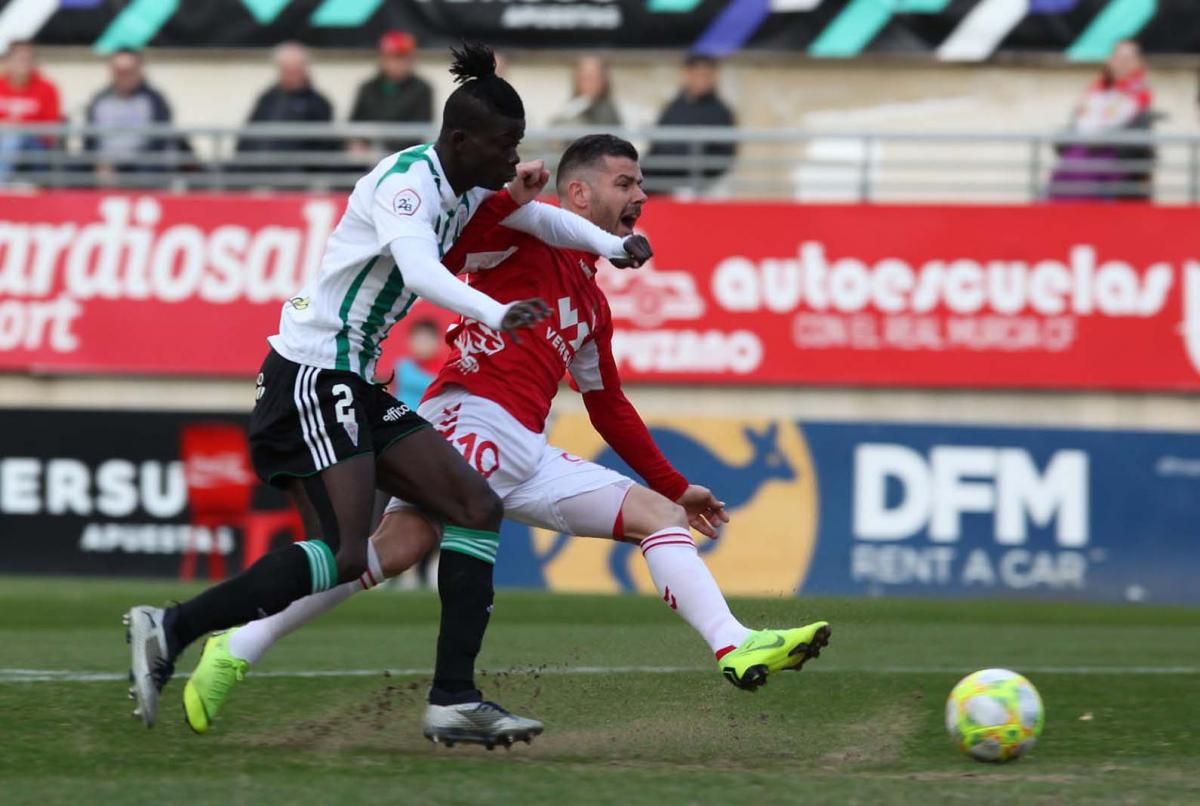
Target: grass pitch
(635, 709)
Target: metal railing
(777, 163)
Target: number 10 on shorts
(483, 455)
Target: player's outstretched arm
(567, 230)
(425, 276)
(558, 227)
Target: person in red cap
(395, 94)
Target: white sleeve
(405, 205)
(563, 229)
(417, 259)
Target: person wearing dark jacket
(126, 104)
(395, 94)
(292, 99)
(696, 104)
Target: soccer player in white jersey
(490, 400)
(322, 431)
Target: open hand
(637, 252)
(531, 178)
(523, 314)
(705, 513)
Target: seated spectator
(696, 104)
(1119, 100)
(127, 104)
(292, 99)
(591, 97)
(426, 352)
(395, 94)
(26, 96)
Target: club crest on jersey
(406, 202)
(475, 339)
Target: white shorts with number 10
(532, 478)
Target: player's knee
(646, 512)
(664, 514)
(483, 510)
(403, 538)
(673, 514)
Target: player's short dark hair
(698, 59)
(480, 93)
(426, 324)
(590, 149)
(134, 52)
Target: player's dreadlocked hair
(588, 150)
(480, 91)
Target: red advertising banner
(1058, 296)
(1096, 296)
(182, 284)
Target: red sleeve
(495, 208)
(52, 113)
(615, 418)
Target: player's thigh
(336, 505)
(404, 536)
(309, 435)
(570, 495)
(427, 472)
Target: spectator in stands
(696, 104)
(291, 99)
(1117, 101)
(416, 371)
(26, 96)
(395, 94)
(126, 104)
(591, 97)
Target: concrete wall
(1137, 411)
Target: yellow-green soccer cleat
(211, 681)
(767, 651)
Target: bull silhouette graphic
(522, 564)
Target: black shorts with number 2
(306, 419)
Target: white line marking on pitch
(71, 676)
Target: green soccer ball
(994, 715)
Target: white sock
(251, 641)
(688, 586)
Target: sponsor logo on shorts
(395, 413)
(406, 202)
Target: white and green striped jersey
(341, 317)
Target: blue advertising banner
(873, 509)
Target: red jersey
(36, 102)
(524, 377)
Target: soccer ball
(994, 715)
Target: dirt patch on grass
(875, 738)
(387, 718)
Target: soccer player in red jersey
(491, 400)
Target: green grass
(863, 724)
